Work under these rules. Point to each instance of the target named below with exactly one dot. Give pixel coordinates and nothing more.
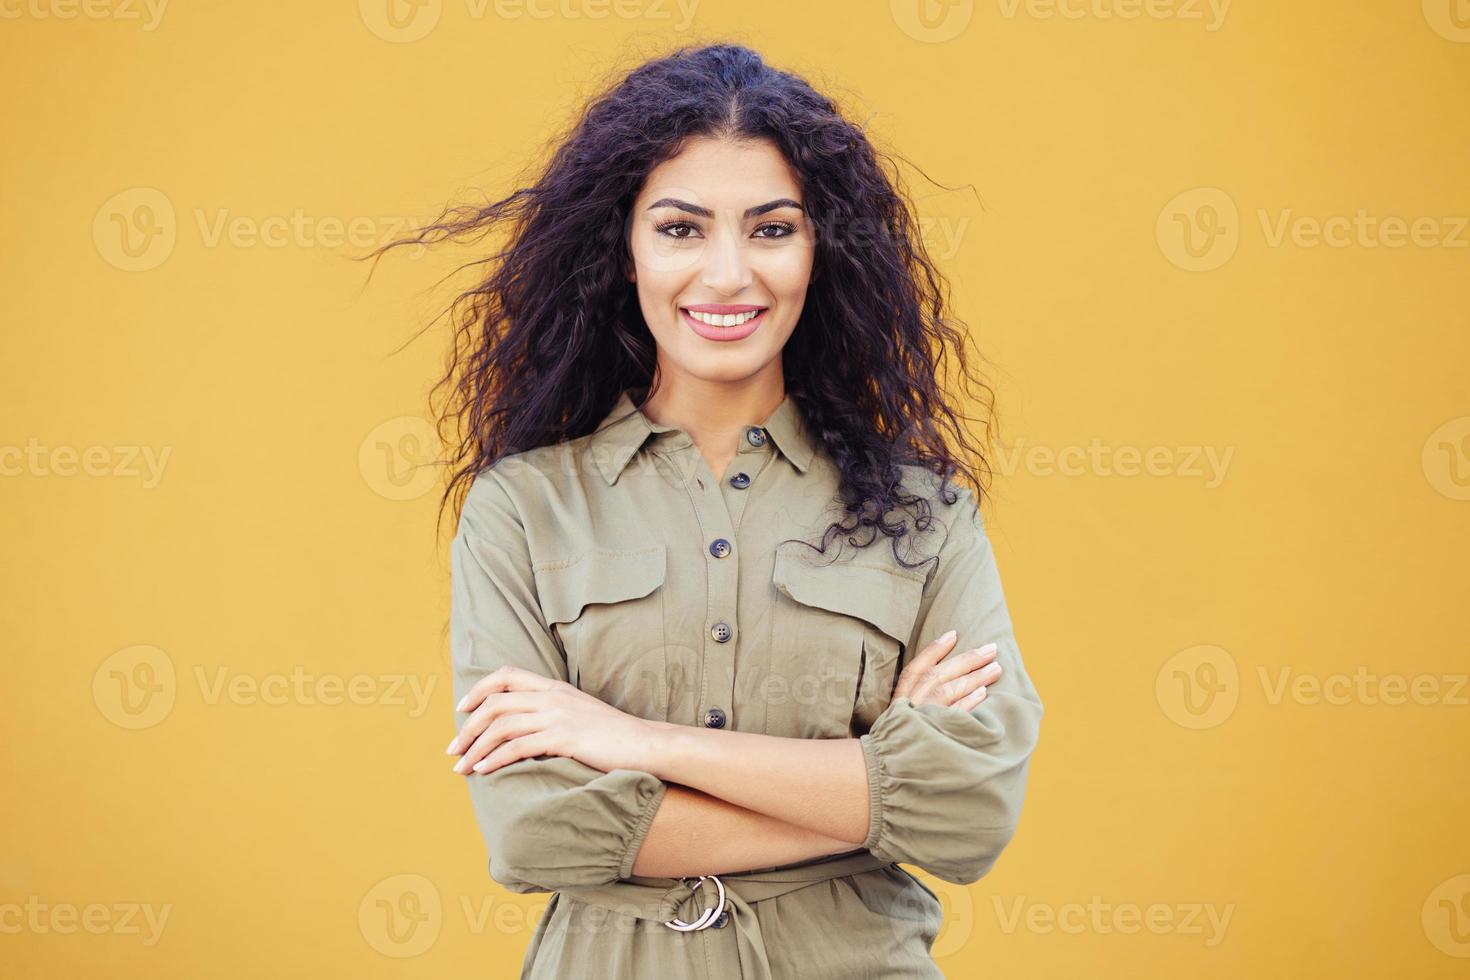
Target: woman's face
(718, 234)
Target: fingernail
(482, 765)
(452, 743)
(947, 637)
(988, 646)
(462, 702)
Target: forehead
(721, 174)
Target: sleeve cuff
(640, 829)
(877, 777)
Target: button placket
(748, 463)
(716, 700)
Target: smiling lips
(721, 321)
(721, 314)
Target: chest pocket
(605, 607)
(838, 632)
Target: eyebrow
(754, 212)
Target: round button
(714, 718)
(719, 547)
(721, 632)
(756, 435)
(722, 921)
(740, 481)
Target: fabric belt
(673, 899)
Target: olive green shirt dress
(619, 562)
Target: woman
(699, 699)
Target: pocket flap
(877, 594)
(567, 586)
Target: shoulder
(544, 469)
(942, 518)
(948, 501)
(523, 482)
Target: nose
(725, 268)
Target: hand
(518, 714)
(958, 681)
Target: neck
(713, 410)
(715, 413)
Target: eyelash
(789, 228)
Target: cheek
(788, 271)
(657, 290)
(663, 274)
(787, 279)
(662, 265)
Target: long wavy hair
(544, 343)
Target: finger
(500, 730)
(966, 703)
(505, 678)
(495, 704)
(950, 690)
(504, 728)
(953, 690)
(956, 666)
(926, 658)
(937, 677)
(514, 750)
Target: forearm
(694, 833)
(817, 784)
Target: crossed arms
(563, 805)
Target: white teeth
(723, 320)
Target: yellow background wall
(1220, 269)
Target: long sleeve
(548, 822)
(946, 785)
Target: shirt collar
(623, 431)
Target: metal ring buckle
(710, 914)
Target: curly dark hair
(543, 345)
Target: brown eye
(785, 228)
(663, 228)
